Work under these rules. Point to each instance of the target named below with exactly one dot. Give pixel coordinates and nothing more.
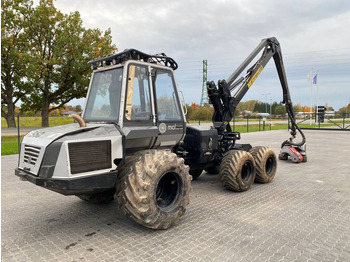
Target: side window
(167, 102)
(104, 96)
(138, 103)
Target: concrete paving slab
(303, 215)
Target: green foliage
(248, 105)
(14, 55)
(261, 107)
(196, 112)
(59, 70)
(9, 145)
(51, 51)
(280, 110)
(36, 121)
(78, 108)
(204, 113)
(345, 109)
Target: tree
(249, 105)
(190, 111)
(203, 113)
(307, 109)
(14, 55)
(295, 109)
(60, 48)
(345, 109)
(299, 108)
(280, 110)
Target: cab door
(170, 119)
(138, 121)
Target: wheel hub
(168, 190)
(246, 170)
(269, 166)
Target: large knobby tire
(237, 170)
(153, 188)
(265, 163)
(98, 198)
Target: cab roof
(133, 54)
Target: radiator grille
(89, 156)
(31, 154)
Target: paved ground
(303, 215)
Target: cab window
(168, 107)
(138, 103)
(104, 96)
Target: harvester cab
(138, 93)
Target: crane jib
(255, 76)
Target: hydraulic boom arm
(225, 104)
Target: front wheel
(237, 170)
(153, 188)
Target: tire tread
(134, 190)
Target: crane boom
(225, 103)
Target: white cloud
(225, 32)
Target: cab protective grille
(89, 156)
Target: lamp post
(309, 76)
(266, 101)
(270, 112)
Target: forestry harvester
(132, 143)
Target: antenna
(204, 96)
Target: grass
(255, 128)
(9, 145)
(35, 121)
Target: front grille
(89, 156)
(31, 154)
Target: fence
(326, 121)
(254, 123)
(306, 121)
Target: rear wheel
(98, 198)
(265, 162)
(237, 170)
(153, 188)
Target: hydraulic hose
(293, 133)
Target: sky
(314, 36)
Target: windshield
(103, 102)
